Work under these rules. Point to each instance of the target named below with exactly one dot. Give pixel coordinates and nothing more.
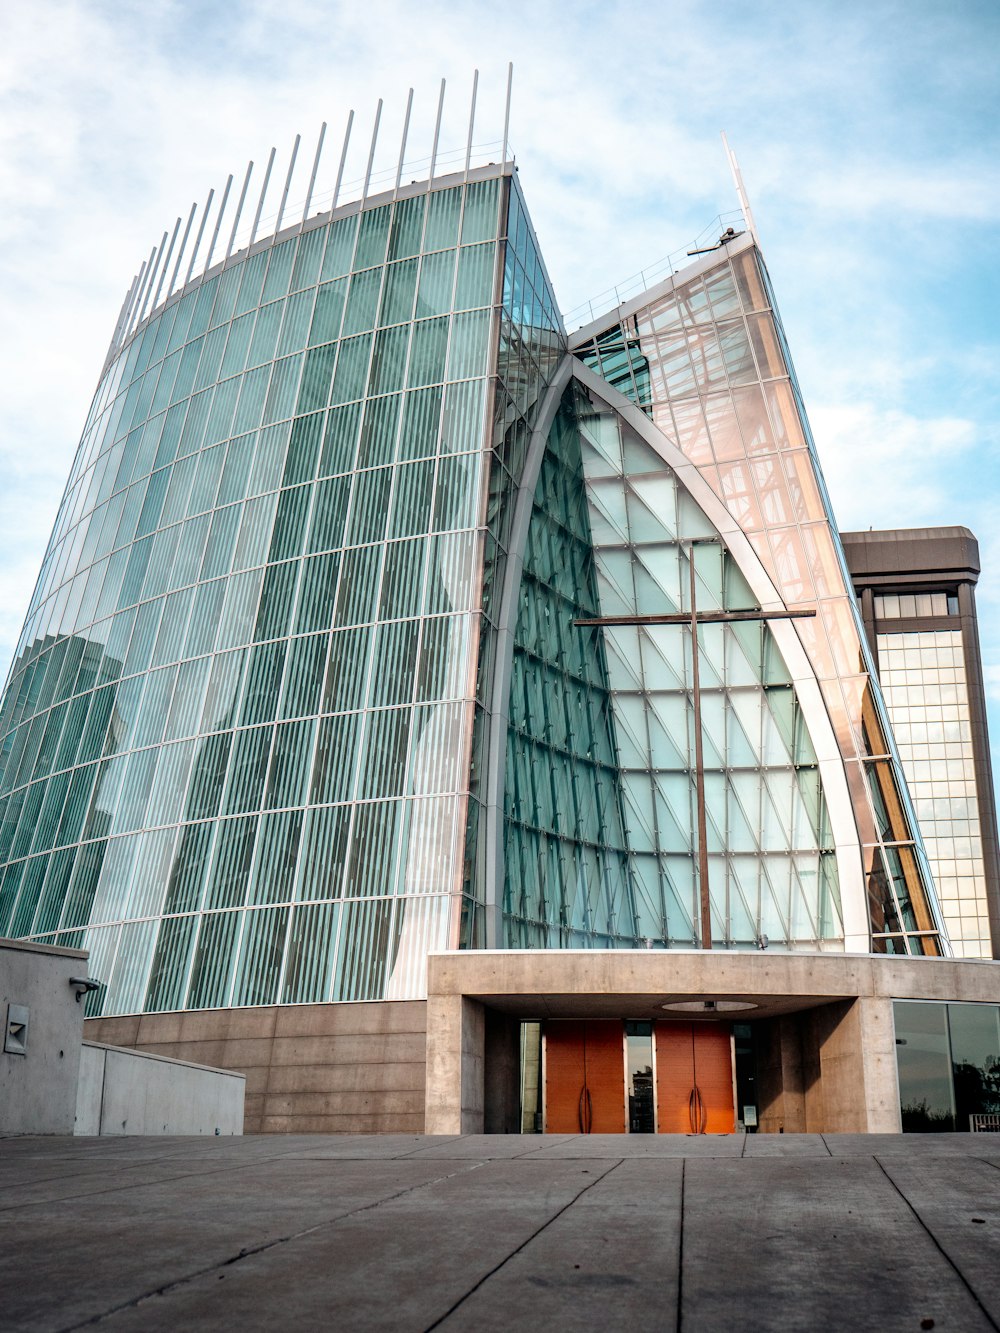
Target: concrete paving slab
(614, 1253)
(403, 1232)
(794, 1244)
(912, 1145)
(403, 1265)
(112, 1249)
(640, 1145)
(785, 1145)
(365, 1146)
(958, 1203)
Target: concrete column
(456, 1059)
(857, 1056)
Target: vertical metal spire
(312, 177)
(343, 159)
(288, 181)
(180, 253)
(371, 153)
(260, 201)
(133, 303)
(472, 122)
(239, 210)
(741, 193)
(166, 262)
(154, 264)
(437, 135)
(201, 232)
(506, 113)
(402, 142)
(218, 224)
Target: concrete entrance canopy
(826, 1058)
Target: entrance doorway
(584, 1078)
(694, 1079)
(605, 1077)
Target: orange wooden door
(565, 1076)
(584, 1078)
(606, 1077)
(713, 1073)
(674, 1077)
(694, 1079)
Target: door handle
(585, 1110)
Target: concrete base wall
(310, 1069)
(823, 1023)
(38, 1087)
(132, 1092)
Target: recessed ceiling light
(709, 1006)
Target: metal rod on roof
(472, 121)
(122, 313)
(741, 193)
(312, 178)
(180, 253)
(260, 201)
(402, 142)
(288, 182)
(239, 210)
(131, 301)
(166, 262)
(154, 265)
(371, 153)
(201, 232)
(437, 135)
(343, 159)
(506, 114)
(218, 224)
(140, 295)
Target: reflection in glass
(639, 1057)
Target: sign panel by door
(584, 1078)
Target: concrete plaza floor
(563, 1232)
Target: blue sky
(867, 134)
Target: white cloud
(882, 465)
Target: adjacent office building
(417, 701)
(916, 589)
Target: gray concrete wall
(38, 1087)
(132, 1092)
(321, 1068)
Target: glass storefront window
(948, 1057)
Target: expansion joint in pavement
(252, 1250)
(524, 1244)
(939, 1247)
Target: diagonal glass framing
(772, 862)
(721, 384)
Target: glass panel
(923, 1057)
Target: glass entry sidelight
(584, 1078)
(639, 1057)
(694, 1079)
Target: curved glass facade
(300, 696)
(236, 740)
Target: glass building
(311, 685)
(916, 589)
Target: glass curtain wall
(601, 789)
(235, 741)
(706, 358)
